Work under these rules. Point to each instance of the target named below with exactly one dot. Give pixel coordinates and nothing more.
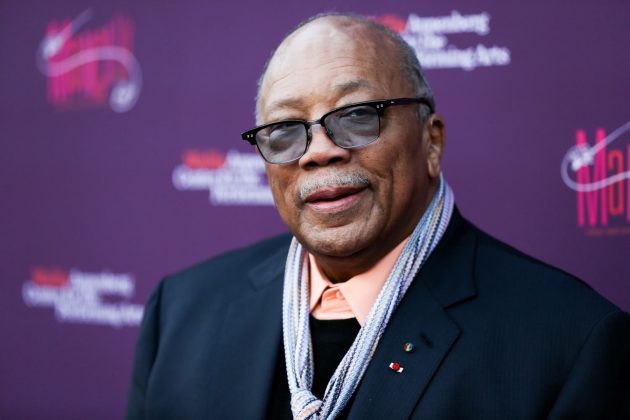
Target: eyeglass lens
(282, 142)
(349, 127)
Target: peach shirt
(352, 298)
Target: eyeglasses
(349, 127)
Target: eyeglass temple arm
(406, 101)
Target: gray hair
(410, 65)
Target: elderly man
(386, 303)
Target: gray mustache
(332, 180)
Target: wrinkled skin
(329, 63)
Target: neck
(341, 269)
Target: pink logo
(203, 159)
(600, 175)
(52, 277)
(393, 22)
(91, 67)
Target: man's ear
(434, 134)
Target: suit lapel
(249, 342)
(421, 319)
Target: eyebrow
(352, 86)
(343, 88)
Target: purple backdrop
(121, 159)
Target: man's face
(348, 204)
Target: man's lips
(331, 193)
(333, 199)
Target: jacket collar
(449, 271)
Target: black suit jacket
(498, 336)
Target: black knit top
(331, 340)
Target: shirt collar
(359, 291)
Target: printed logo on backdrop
(80, 297)
(231, 178)
(597, 168)
(90, 66)
(429, 36)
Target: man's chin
(337, 242)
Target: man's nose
(322, 151)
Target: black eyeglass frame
(379, 104)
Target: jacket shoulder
(230, 271)
(528, 281)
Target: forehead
(326, 61)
